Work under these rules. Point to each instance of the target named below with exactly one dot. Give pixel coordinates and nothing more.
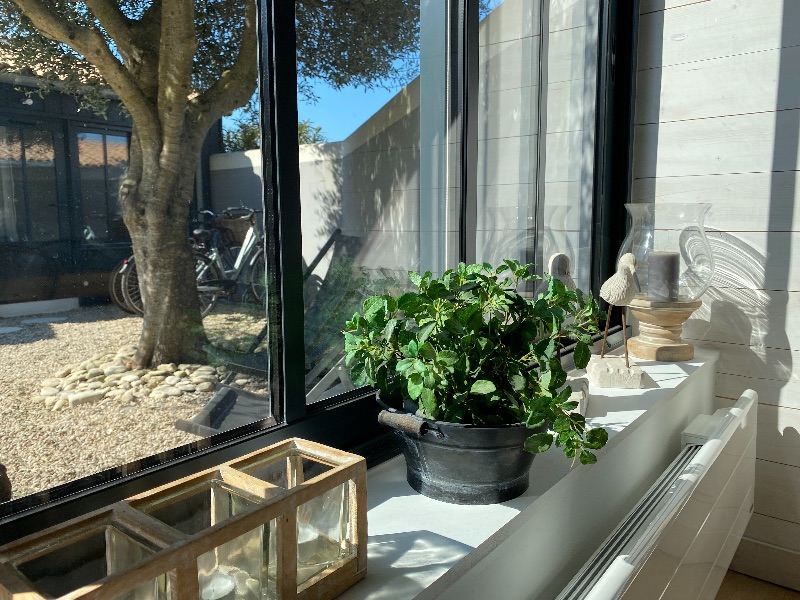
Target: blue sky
(341, 112)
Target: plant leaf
(538, 442)
(415, 385)
(374, 309)
(581, 355)
(482, 387)
(425, 331)
(404, 364)
(428, 402)
(596, 438)
(587, 458)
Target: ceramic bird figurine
(619, 290)
(559, 267)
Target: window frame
(347, 421)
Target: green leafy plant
(467, 347)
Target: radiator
(679, 539)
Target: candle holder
(287, 522)
(674, 268)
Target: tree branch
(116, 24)
(236, 85)
(90, 43)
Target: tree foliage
(178, 67)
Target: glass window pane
(534, 174)
(40, 174)
(116, 168)
(373, 181)
(118, 385)
(92, 161)
(12, 192)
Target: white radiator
(679, 539)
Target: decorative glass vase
(662, 236)
(674, 267)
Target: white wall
(718, 120)
(369, 184)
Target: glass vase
(673, 256)
(674, 267)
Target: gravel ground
(42, 448)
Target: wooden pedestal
(660, 327)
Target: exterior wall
(718, 120)
(369, 184)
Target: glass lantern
(674, 267)
(673, 256)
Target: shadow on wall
(371, 191)
(737, 310)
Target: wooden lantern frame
(177, 553)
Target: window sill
(531, 546)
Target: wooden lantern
(287, 522)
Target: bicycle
(126, 294)
(247, 268)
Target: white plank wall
(718, 121)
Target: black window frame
(347, 421)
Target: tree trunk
(172, 329)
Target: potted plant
(477, 367)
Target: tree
(178, 66)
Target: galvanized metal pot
(462, 464)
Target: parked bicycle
(222, 266)
(126, 294)
(243, 267)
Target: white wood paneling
(770, 391)
(567, 14)
(508, 113)
(707, 89)
(774, 531)
(511, 20)
(777, 490)
(565, 106)
(507, 65)
(767, 198)
(713, 29)
(779, 434)
(756, 259)
(758, 361)
(768, 562)
(747, 316)
(567, 56)
(751, 143)
(648, 6)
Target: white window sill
(531, 546)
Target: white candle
(663, 271)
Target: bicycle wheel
(130, 288)
(115, 287)
(206, 272)
(258, 278)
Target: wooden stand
(230, 533)
(660, 328)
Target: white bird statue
(559, 267)
(619, 290)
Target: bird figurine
(560, 267)
(619, 290)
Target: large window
(103, 162)
(394, 136)
(28, 197)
